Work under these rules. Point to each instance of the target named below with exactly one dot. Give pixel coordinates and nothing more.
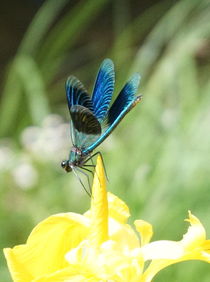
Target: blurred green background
(157, 160)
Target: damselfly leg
(90, 158)
(80, 180)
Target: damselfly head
(65, 165)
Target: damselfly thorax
(76, 159)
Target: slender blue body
(92, 118)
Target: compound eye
(63, 164)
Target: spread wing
(126, 96)
(76, 94)
(86, 128)
(103, 89)
(87, 114)
(81, 111)
(125, 101)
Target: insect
(92, 118)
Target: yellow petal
(162, 249)
(46, 246)
(145, 230)
(108, 263)
(123, 234)
(193, 246)
(118, 209)
(196, 233)
(72, 273)
(99, 207)
(119, 231)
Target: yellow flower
(100, 245)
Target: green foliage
(157, 160)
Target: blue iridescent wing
(76, 94)
(103, 89)
(86, 128)
(84, 120)
(126, 96)
(125, 101)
